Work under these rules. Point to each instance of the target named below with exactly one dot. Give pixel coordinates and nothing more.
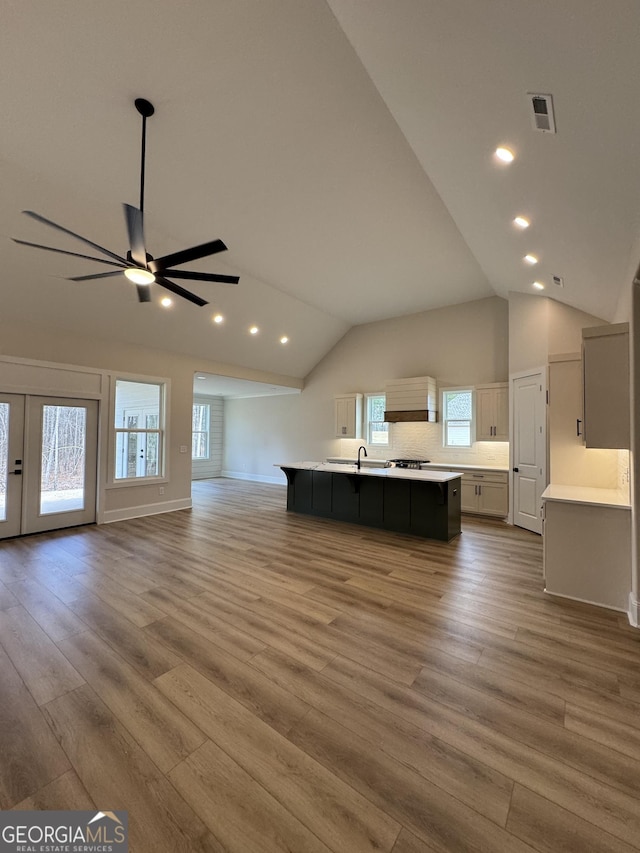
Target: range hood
(412, 399)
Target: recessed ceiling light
(166, 302)
(538, 285)
(218, 318)
(253, 330)
(505, 155)
(284, 339)
(530, 259)
(138, 276)
(521, 222)
(201, 377)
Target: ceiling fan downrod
(146, 110)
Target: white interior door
(11, 459)
(57, 440)
(529, 450)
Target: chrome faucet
(362, 447)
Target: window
(457, 417)
(377, 429)
(139, 429)
(200, 431)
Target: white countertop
(368, 461)
(616, 498)
(466, 467)
(391, 473)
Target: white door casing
(11, 463)
(528, 448)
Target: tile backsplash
(624, 461)
(424, 441)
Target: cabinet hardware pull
(578, 422)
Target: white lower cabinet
(469, 499)
(484, 492)
(587, 550)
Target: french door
(48, 456)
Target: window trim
(164, 438)
(472, 421)
(368, 422)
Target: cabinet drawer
(485, 477)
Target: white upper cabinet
(605, 365)
(492, 412)
(348, 416)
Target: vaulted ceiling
(343, 150)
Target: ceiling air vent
(542, 110)
(558, 280)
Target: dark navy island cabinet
(417, 506)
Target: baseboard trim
(634, 611)
(112, 515)
(585, 601)
(256, 478)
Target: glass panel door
(62, 459)
(60, 470)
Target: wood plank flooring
(244, 680)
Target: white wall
(566, 325)
(460, 344)
(539, 327)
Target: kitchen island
(423, 503)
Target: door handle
(516, 470)
(15, 472)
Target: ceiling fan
(139, 266)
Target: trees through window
(201, 424)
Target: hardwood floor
(244, 680)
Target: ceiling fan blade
(95, 276)
(64, 252)
(193, 254)
(144, 294)
(202, 276)
(180, 291)
(55, 225)
(136, 234)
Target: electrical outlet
(183, 448)
(161, 490)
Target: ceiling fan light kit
(138, 276)
(139, 266)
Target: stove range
(408, 463)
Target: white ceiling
(342, 150)
(212, 385)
